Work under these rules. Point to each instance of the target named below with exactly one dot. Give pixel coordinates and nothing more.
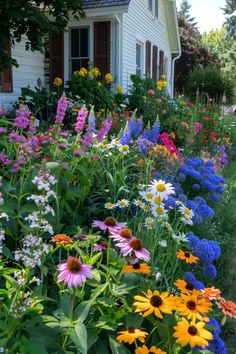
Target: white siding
(31, 68)
(139, 24)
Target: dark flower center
(126, 233)
(104, 244)
(74, 265)
(189, 286)
(136, 266)
(110, 221)
(151, 352)
(136, 244)
(131, 330)
(187, 254)
(191, 305)
(192, 330)
(156, 301)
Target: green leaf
(79, 337)
(82, 310)
(99, 290)
(116, 348)
(66, 304)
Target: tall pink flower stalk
(61, 109)
(105, 129)
(81, 119)
(21, 120)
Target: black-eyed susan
(144, 350)
(137, 268)
(154, 302)
(131, 335)
(186, 287)
(192, 333)
(186, 256)
(192, 306)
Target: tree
(185, 11)
(230, 12)
(194, 54)
(32, 19)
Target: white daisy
(114, 143)
(109, 206)
(187, 214)
(158, 276)
(159, 211)
(181, 237)
(149, 223)
(124, 149)
(148, 196)
(161, 188)
(138, 203)
(123, 203)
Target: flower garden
(105, 214)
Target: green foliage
(33, 19)
(185, 9)
(210, 82)
(230, 12)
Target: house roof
(89, 4)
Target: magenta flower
(134, 247)
(105, 129)
(3, 130)
(21, 120)
(81, 119)
(123, 235)
(102, 246)
(109, 224)
(73, 273)
(62, 105)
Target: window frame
(150, 5)
(140, 69)
(156, 9)
(70, 58)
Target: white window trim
(158, 8)
(142, 57)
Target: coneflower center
(156, 301)
(189, 286)
(191, 305)
(136, 266)
(110, 221)
(131, 330)
(192, 330)
(104, 244)
(187, 254)
(136, 244)
(74, 265)
(126, 233)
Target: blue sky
(207, 13)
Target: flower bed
(99, 243)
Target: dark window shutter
(56, 56)
(161, 63)
(154, 62)
(102, 46)
(148, 59)
(6, 84)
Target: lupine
(61, 109)
(91, 121)
(105, 129)
(81, 119)
(21, 120)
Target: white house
(123, 37)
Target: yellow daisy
(145, 350)
(131, 335)
(137, 268)
(192, 306)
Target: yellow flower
(186, 287)
(137, 268)
(83, 72)
(191, 306)
(99, 84)
(119, 89)
(131, 335)
(163, 77)
(187, 257)
(57, 81)
(108, 78)
(154, 302)
(192, 333)
(145, 350)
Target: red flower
(116, 125)
(206, 119)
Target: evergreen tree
(32, 19)
(185, 11)
(230, 13)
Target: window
(156, 8)
(161, 63)
(79, 48)
(166, 68)
(148, 59)
(6, 83)
(139, 59)
(150, 5)
(154, 62)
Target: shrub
(210, 82)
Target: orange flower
(228, 307)
(211, 293)
(61, 239)
(137, 268)
(186, 256)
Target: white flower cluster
(2, 238)
(114, 144)
(1, 199)
(33, 249)
(21, 279)
(44, 181)
(20, 305)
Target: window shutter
(6, 84)
(161, 63)
(56, 57)
(154, 62)
(102, 46)
(148, 59)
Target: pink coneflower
(73, 273)
(134, 246)
(102, 246)
(123, 235)
(109, 224)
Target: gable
(90, 4)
